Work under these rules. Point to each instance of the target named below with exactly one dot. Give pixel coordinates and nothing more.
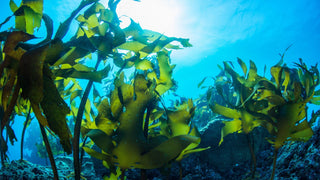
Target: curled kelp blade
(165, 152)
(145, 42)
(30, 79)
(36, 81)
(101, 139)
(243, 66)
(28, 15)
(97, 155)
(30, 74)
(192, 148)
(13, 39)
(291, 124)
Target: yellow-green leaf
(165, 152)
(230, 127)
(243, 66)
(96, 154)
(13, 6)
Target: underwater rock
(234, 148)
(192, 168)
(300, 160)
(296, 160)
(26, 170)
(65, 167)
(99, 169)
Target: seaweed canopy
(33, 68)
(121, 128)
(26, 67)
(128, 130)
(45, 73)
(279, 104)
(132, 148)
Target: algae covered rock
(26, 170)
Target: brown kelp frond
(35, 79)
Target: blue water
(219, 30)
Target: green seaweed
(118, 129)
(43, 76)
(279, 105)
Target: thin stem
(77, 126)
(82, 151)
(64, 27)
(146, 122)
(253, 156)
(24, 130)
(180, 170)
(145, 132)
(2, 151)
(52, 162)
(274, 163)
(143, 173)
(122, 173)
(1, 138)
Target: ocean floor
(295, 160)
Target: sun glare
(157, 15)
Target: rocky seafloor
(230, 160)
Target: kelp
(26, 67)
(28, 15)
(178, 122)
(131, 150)
(33, 79)
(82, 72)
(26, 123)
(38, 78)
(119, 128)
(279, 104)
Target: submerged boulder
(234, 149)
(300, 159)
